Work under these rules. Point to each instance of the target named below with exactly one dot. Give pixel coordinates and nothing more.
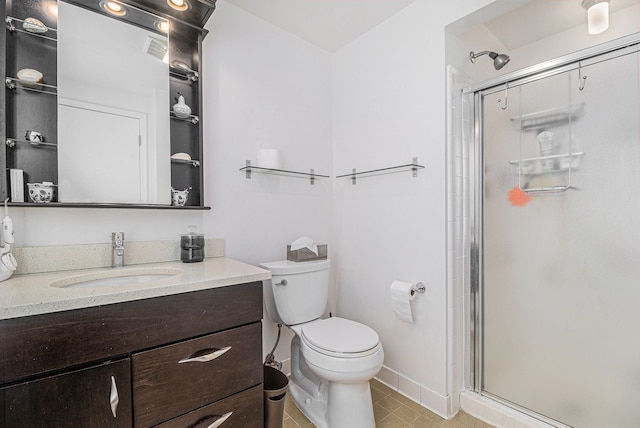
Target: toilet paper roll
(401, 297)
(269, 158)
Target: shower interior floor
(391, 410)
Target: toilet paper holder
(418, 287)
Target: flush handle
(283, 282)
(205, 355)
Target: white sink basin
(116, 278)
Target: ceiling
(539, 19)
(329, 24)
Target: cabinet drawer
(38, 344)
(243, 410)
(175, 379)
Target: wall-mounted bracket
(414, 167)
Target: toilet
(332, 359)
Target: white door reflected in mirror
(101, 160)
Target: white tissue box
(305, 254)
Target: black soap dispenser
(192, 246)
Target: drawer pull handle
(113, 396)
(220, 420)
(205, 355)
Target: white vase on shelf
(181, 109)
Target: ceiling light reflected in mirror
(51, 8)
(163, 26)
(114, 8)
(180, 5)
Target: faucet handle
(117, 237)
(117, 253)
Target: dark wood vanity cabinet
(183, 360)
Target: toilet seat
(340, 338)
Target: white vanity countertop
(32, 294)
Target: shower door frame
(616, 48)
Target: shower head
(499, 60)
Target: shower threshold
(502, 413)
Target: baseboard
(437, 403)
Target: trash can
(275, 388)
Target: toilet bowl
(340, 350)
(332, 359)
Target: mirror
(113, 109)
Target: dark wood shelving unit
(27, 109)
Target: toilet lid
(340, 335)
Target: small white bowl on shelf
(181, 156)
(33, 25)
(42, 193)
(30, 77)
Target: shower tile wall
(458, 253)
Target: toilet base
(312, 409)
(349, 405)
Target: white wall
(377, 102)
(265, 88)
(36, 227)
(389, 106)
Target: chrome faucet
(117, 252)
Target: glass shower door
(561, 245)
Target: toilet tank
(297, 292)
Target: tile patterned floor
(391, 410)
